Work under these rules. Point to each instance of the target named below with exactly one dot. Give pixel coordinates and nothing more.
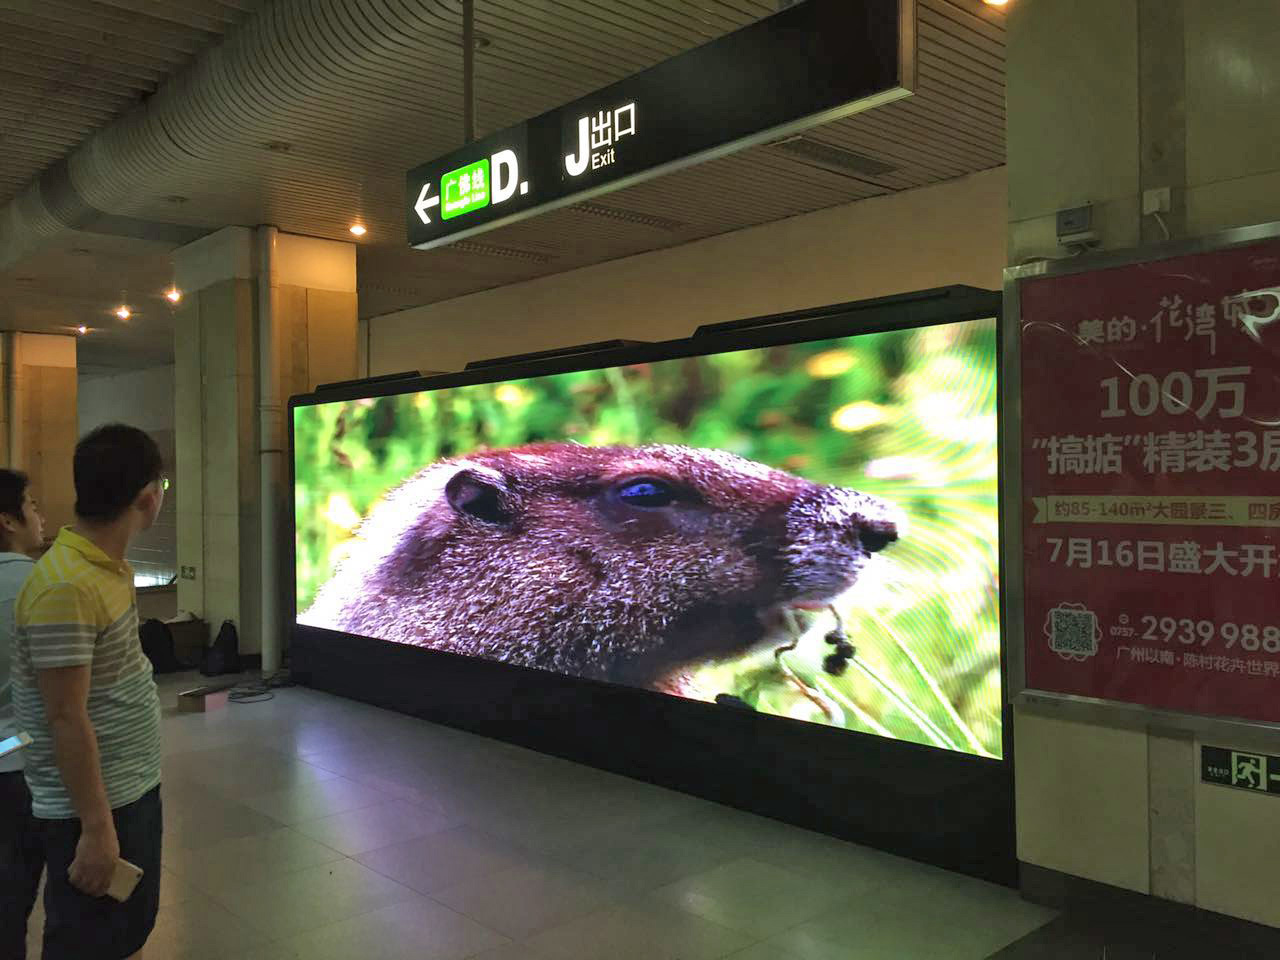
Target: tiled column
(41, 420)
(217, 403)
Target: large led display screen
(807, 530)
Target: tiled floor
(313, 828)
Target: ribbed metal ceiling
(69, 66)
(308, 113)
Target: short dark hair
(112, 466)
(13, 492)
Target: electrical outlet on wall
(1156, 200)
(1075, 226)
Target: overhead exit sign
(812, 63)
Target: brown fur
(529, 556)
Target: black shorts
(21, 862)
(80, 927)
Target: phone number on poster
(1248, 636)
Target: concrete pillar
(40, 418)
(1108, 98)
(217, 379)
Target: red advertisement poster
(1151, 482)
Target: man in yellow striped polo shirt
(83, 690)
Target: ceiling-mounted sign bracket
(468, 70)
(813, 63)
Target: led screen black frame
(952, 809)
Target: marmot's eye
(646, 493)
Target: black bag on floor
(157, 644)
(224, 655)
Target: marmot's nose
(854, 520)
(874, 522)
(877, 535)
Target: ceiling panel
(62, 289)
(69, 66)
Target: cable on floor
(259, 691)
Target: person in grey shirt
(21, 860)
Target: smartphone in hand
(124, 881)
(14, 744)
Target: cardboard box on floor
(202, 699)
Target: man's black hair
(112, 466)
(13, 492)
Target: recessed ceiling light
(996, 3)
(358, 229)
(173, 294)
(123, 312)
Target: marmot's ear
(482, 495)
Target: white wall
(1076, 132)
(946, 234)
(1107, 97)
(142, 399)
(1233, 128)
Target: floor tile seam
(289, 939)
(413, 895)
(383, 798)
(272, 881)
(653, 896)
(381, 873)
(386, 801)
(899, 911)
(419, 798)
(435, 890)
(233, 793)
(616, 895)
(754, 941)
(646, 890)
(512, 940)
(272, 878)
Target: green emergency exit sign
(465, 189)
(1258, 772)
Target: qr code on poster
(1073, 631)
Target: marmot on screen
(629, 564)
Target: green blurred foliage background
(908, 415)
